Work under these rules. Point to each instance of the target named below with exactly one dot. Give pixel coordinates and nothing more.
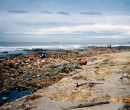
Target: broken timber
(91, 84)
(87, 105)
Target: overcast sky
(64, 20)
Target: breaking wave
(64, 47)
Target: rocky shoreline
(19, 72)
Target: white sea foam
(51, 47)
(65, 47)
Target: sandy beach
(61, 83)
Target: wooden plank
(87, 105)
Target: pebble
(4, 98)
(27, 107)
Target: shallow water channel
(14, 94)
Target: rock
(76, 66)
(125, 75)
(53, 66)
(35, 64)
(126, 106)
(39, 67)
(111, 64)
(5, 92)
(65, 70)
(125, 80)
(16, 65)
(28, 79)
(23, 72)
(11, 65)
(92, 59)
(96, 66)
(4, 98)
(20, 72)
(47, 75)
(43, 61)
(28, 108)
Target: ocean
(10, 48)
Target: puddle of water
(14, 94)
(116, 78)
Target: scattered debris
(32, 97)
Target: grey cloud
(63, 13)
(105, 33)
(50, 23)
(91, 13)
(47, 12)
(15, 11)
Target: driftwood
(87, 105)
(91, 84)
